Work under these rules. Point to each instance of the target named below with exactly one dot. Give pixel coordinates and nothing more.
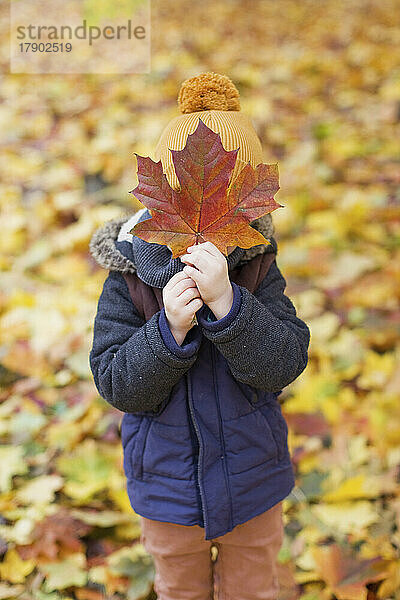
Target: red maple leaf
(205, 207)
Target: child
(205, 442)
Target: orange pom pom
(208, 91)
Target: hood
(114, 249)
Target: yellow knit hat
(215, 99)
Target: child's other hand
(181, 301)
(208, 267)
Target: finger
(198, 251)
(194, 304)
(180, 289)
(189, 295)
(184, 285)
(181, 275)
(203, 262)
(194, 273)
(207, 247)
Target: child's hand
(208, 267)
(181, 301)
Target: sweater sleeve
(263, 340)
(134, 363)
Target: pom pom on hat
(208, 91)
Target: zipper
(221, 436)
(203, 504)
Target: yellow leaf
(40, 490)
(12, 463)
(356, 487)
(391, 585)
(377, 369)
(347, 517)
(14, 569)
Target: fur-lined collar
(107, 247)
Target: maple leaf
(205, 208)
(348, 575)
(57, 533)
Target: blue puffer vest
(215, 453)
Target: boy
(205, 442)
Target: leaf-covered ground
(321, 81)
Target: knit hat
(215, 99)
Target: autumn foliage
(320, 81)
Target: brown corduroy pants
(245, 567)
